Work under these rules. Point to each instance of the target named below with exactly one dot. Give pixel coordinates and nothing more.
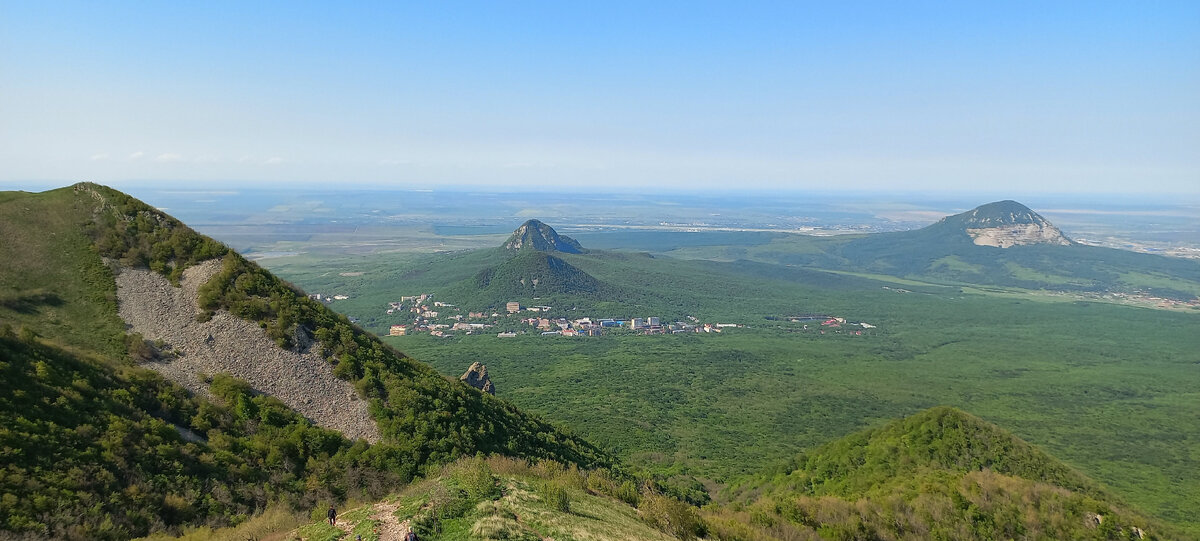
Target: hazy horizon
(997, 98)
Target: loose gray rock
(150, 305)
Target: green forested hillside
(939, 439)
(94, 448)
(522, 277)
(939, 474)
(75, 409)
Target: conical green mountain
(535, 235)
(939, 439)
(534, 263)
(534, 273)
(94, 446)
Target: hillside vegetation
(939, 474)
(934, 475)
(498, 498)
(95, 447)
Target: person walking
(332, 514)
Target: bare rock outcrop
(1018, 235)
(477, 377)
(303, 380)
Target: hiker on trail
(332, 514)
(411, 536)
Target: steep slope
(941, 473)
(225, 343)
(94, 448)
(62, 289)
(537, 236)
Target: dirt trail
(387, 527)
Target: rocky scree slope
(419, 413)
(226, 343)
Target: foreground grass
(496, 498)
(271, 524)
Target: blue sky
(1032, 97)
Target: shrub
(556, 496)
(670, 516)
(476, 478)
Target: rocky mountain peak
(535, 235)
(1004, 224)
(477, 377)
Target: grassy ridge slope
(939, 474)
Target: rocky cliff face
(1004, 224)
(477, 377)
(535, 235)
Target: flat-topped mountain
(1004, 224)
(535, 235)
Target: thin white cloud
(168, 157)
(276, 160)
(136, 155)
(99, 156)
(394, 162)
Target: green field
(1110, 389)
